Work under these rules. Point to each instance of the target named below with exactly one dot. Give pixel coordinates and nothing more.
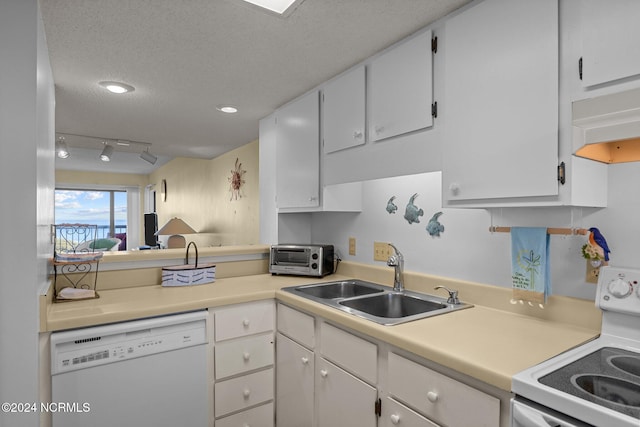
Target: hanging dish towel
(530, 264)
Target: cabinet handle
(324, 373)
(379, 129)
(246, 393)
(246, 323)
(454, 188)
(246, 356)
(395, 419)
(432, 396)
(305, 360)
(358, 134)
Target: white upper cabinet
(343, 111)
(298, 153)
(501, 110)
(610, 40)
(401, 89)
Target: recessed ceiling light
(277, 6)
(117, 87)
(230, 109)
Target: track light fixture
(109, 146)
(107, 151)
(148, 157)
(62, 151)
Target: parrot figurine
(597, 240)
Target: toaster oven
(301, 259)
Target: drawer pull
(246, 356)
(324, 373)
(246, 393)
(246, 323)
(305, 360)
(395, 419)
(432, 396)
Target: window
(114, 211)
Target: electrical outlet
(592, 273)
(381, 251)
(352, 245)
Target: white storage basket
(188, 274)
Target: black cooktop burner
(608, 377)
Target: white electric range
(595, 384)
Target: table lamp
(174, 228)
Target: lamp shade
(175, 226)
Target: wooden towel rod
(564, 231)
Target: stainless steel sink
(393, 305)
(343, 289)
(375, 302)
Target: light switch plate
(352, 245)
(381, 251)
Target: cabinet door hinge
(378, 407)
(434, 45)
(561, 173)
(580, 67)
(434, 109)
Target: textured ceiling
(185, 57)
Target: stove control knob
(619, 288)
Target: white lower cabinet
(295, 369)
(243, 365)
(396, 414)
(343, 400)
(340, 378)
(442, 399)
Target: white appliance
(149, 372)
(597, 383)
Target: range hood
(607, 128)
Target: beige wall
(198, 192)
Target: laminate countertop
(485, 343)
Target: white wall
(466, 249)
(26, 183)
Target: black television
(150, 229)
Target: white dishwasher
(149, 372)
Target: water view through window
(105, 208)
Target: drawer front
(358, 356)
(298, 326)
(396, 414)
(262, 416)
(439, 397)
(242, 392)
(244, 319)
(243, 354)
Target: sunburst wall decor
(236, 181)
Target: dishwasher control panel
(104, 346)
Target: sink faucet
(397, 262)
